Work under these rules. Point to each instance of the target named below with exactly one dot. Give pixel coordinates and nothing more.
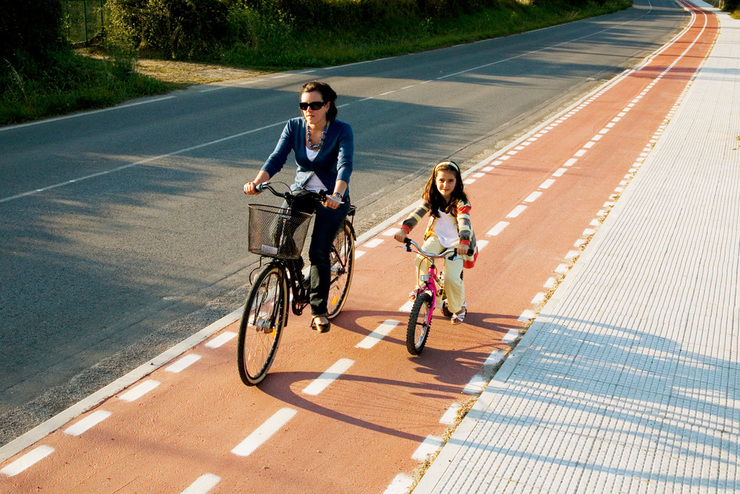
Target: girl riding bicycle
(449, 226)
(323, 147)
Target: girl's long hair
(435, 199)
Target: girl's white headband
(448, 163)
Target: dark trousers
(326, 225)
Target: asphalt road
(122, 231)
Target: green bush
(30, 28)
(172, 28)
(30, 35)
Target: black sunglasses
(316, 105)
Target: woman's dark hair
(435, 199)
(327, 95)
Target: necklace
(310, 144)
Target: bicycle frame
(431, 280)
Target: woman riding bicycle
(323, 148)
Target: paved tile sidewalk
(628, 380)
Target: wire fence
(85, 20)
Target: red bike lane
(351, 410)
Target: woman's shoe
(459, 317)
(320, 324)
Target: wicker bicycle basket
(276, 232)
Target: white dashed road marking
(380, 332)
(332, 374)
(204, 484)
(139, 391)
(87, 423)
(264, 432)
(27, 460)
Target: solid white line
(27, 460)
(221, 339)
(90, 112)
(332, 374)
(183, 363)
(430, 446)
(87, 423)
(264, 432)
(204, 484)
(498, 228)
(139, 391)
(377, 335)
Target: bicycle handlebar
(289, 196)
(408, 243)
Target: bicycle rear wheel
(262, 324)
(420, 322)
(342, 265)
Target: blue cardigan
(334, 161)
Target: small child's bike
(425, 298)
(278, 235)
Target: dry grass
(191, 73)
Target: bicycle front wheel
(342, 265)
(262, 324)
(420, 321)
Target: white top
(312, 153)
(314, 184)
(445, 229)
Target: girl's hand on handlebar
(251, 188)
(462, 249)
(400, 235)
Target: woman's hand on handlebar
(400, 235)
(332, 202)
(462, 249)
(251, 188)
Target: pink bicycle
(420, 319)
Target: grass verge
(73, 82)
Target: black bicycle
(278, 235)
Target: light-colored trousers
(454, 287)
